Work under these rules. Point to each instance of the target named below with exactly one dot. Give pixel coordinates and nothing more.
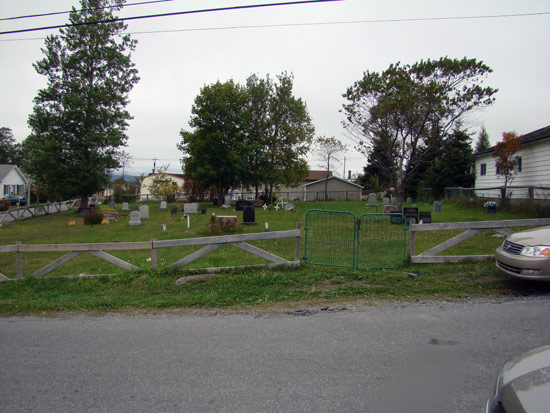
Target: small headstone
(163, 206)
(125, 206)
(409, 200)
(425, 217)
(385, 201)
(372, 201)
(227, 201)
(388, 209)
(173, 211)
(134, 218)
(191, 208)
(241, 204)
(411, 213)
(133, 207)
(144, 212)
(228, 219)
(112, 205)
(110, 215)
(438, 206)
(249, 215)
(289, 207)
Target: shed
(338, 189)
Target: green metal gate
(337, 238)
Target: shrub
(216, 227)
(93, 218)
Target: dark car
(15, 199)
(523, 384)
(526, 254)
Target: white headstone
(144, 212)
(409, 200)
(163, 206)
(191, 208)
(134, 218)
(125, 206)
(385, 201)
(112, 205)
(372, 201)
(227, 201)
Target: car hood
(537, 236)
(525, 381)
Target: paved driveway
(439, 357)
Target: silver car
(523, 384)
(526, 254)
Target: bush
(216, 227)
(93, 218)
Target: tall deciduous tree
(505, 159)
(328, 149)
(79, 120)
(407, 110)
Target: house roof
(6, 169)
(317, 175)
(180, 176)
(539, 134)
(333, 177)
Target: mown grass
(156, 289)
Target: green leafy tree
(328, 149)
(163, 187)
(408, 110)
(212, 153)
(451, 166)
(482, 142)
(79, 120)
(10, 150)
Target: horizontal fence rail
(472, 229)
(210, 244)
(32, 211)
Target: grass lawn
(156, 289)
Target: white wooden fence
(32, 211)
(210, 244)
(472, 228)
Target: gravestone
(438, 206)
(215, 201)
(388, 209)
(134, 218)
(425, 217)
(227, 201)
(133, 207)
(409, 200)
(191, 208)
(410, 213)
(125, 206)
(83, 211)
(249, 215)
(241, 204)
(385, 201)
(258, 203)
(112, 205)
(110, 215)
(289, 207)
(372, 201)
(228, 219)
(173, 211)
(163, 206)
(144, 212)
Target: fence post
(298, 240)
(154, 256)
(412, 239)
(18, 261)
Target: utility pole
(154, 164)
(344, 173)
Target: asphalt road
(439, 357)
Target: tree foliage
(505, 159)
(250, 135)
(328, 149)
(482, 142)
(79, 119)
(10, 150)
(407, 111)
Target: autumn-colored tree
(505, 159)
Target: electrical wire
(244, 7)
(29, 16)
(420, 19)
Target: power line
(66, 12)
(251, 6)
(420, 19)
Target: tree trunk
(84, 201)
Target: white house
(145, 193)
(532, 171)
(12, 181)
(338, 189)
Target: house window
(483, 170)
(518, 163)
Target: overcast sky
(190, 51)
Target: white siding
(13, 183)
(535, 171)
